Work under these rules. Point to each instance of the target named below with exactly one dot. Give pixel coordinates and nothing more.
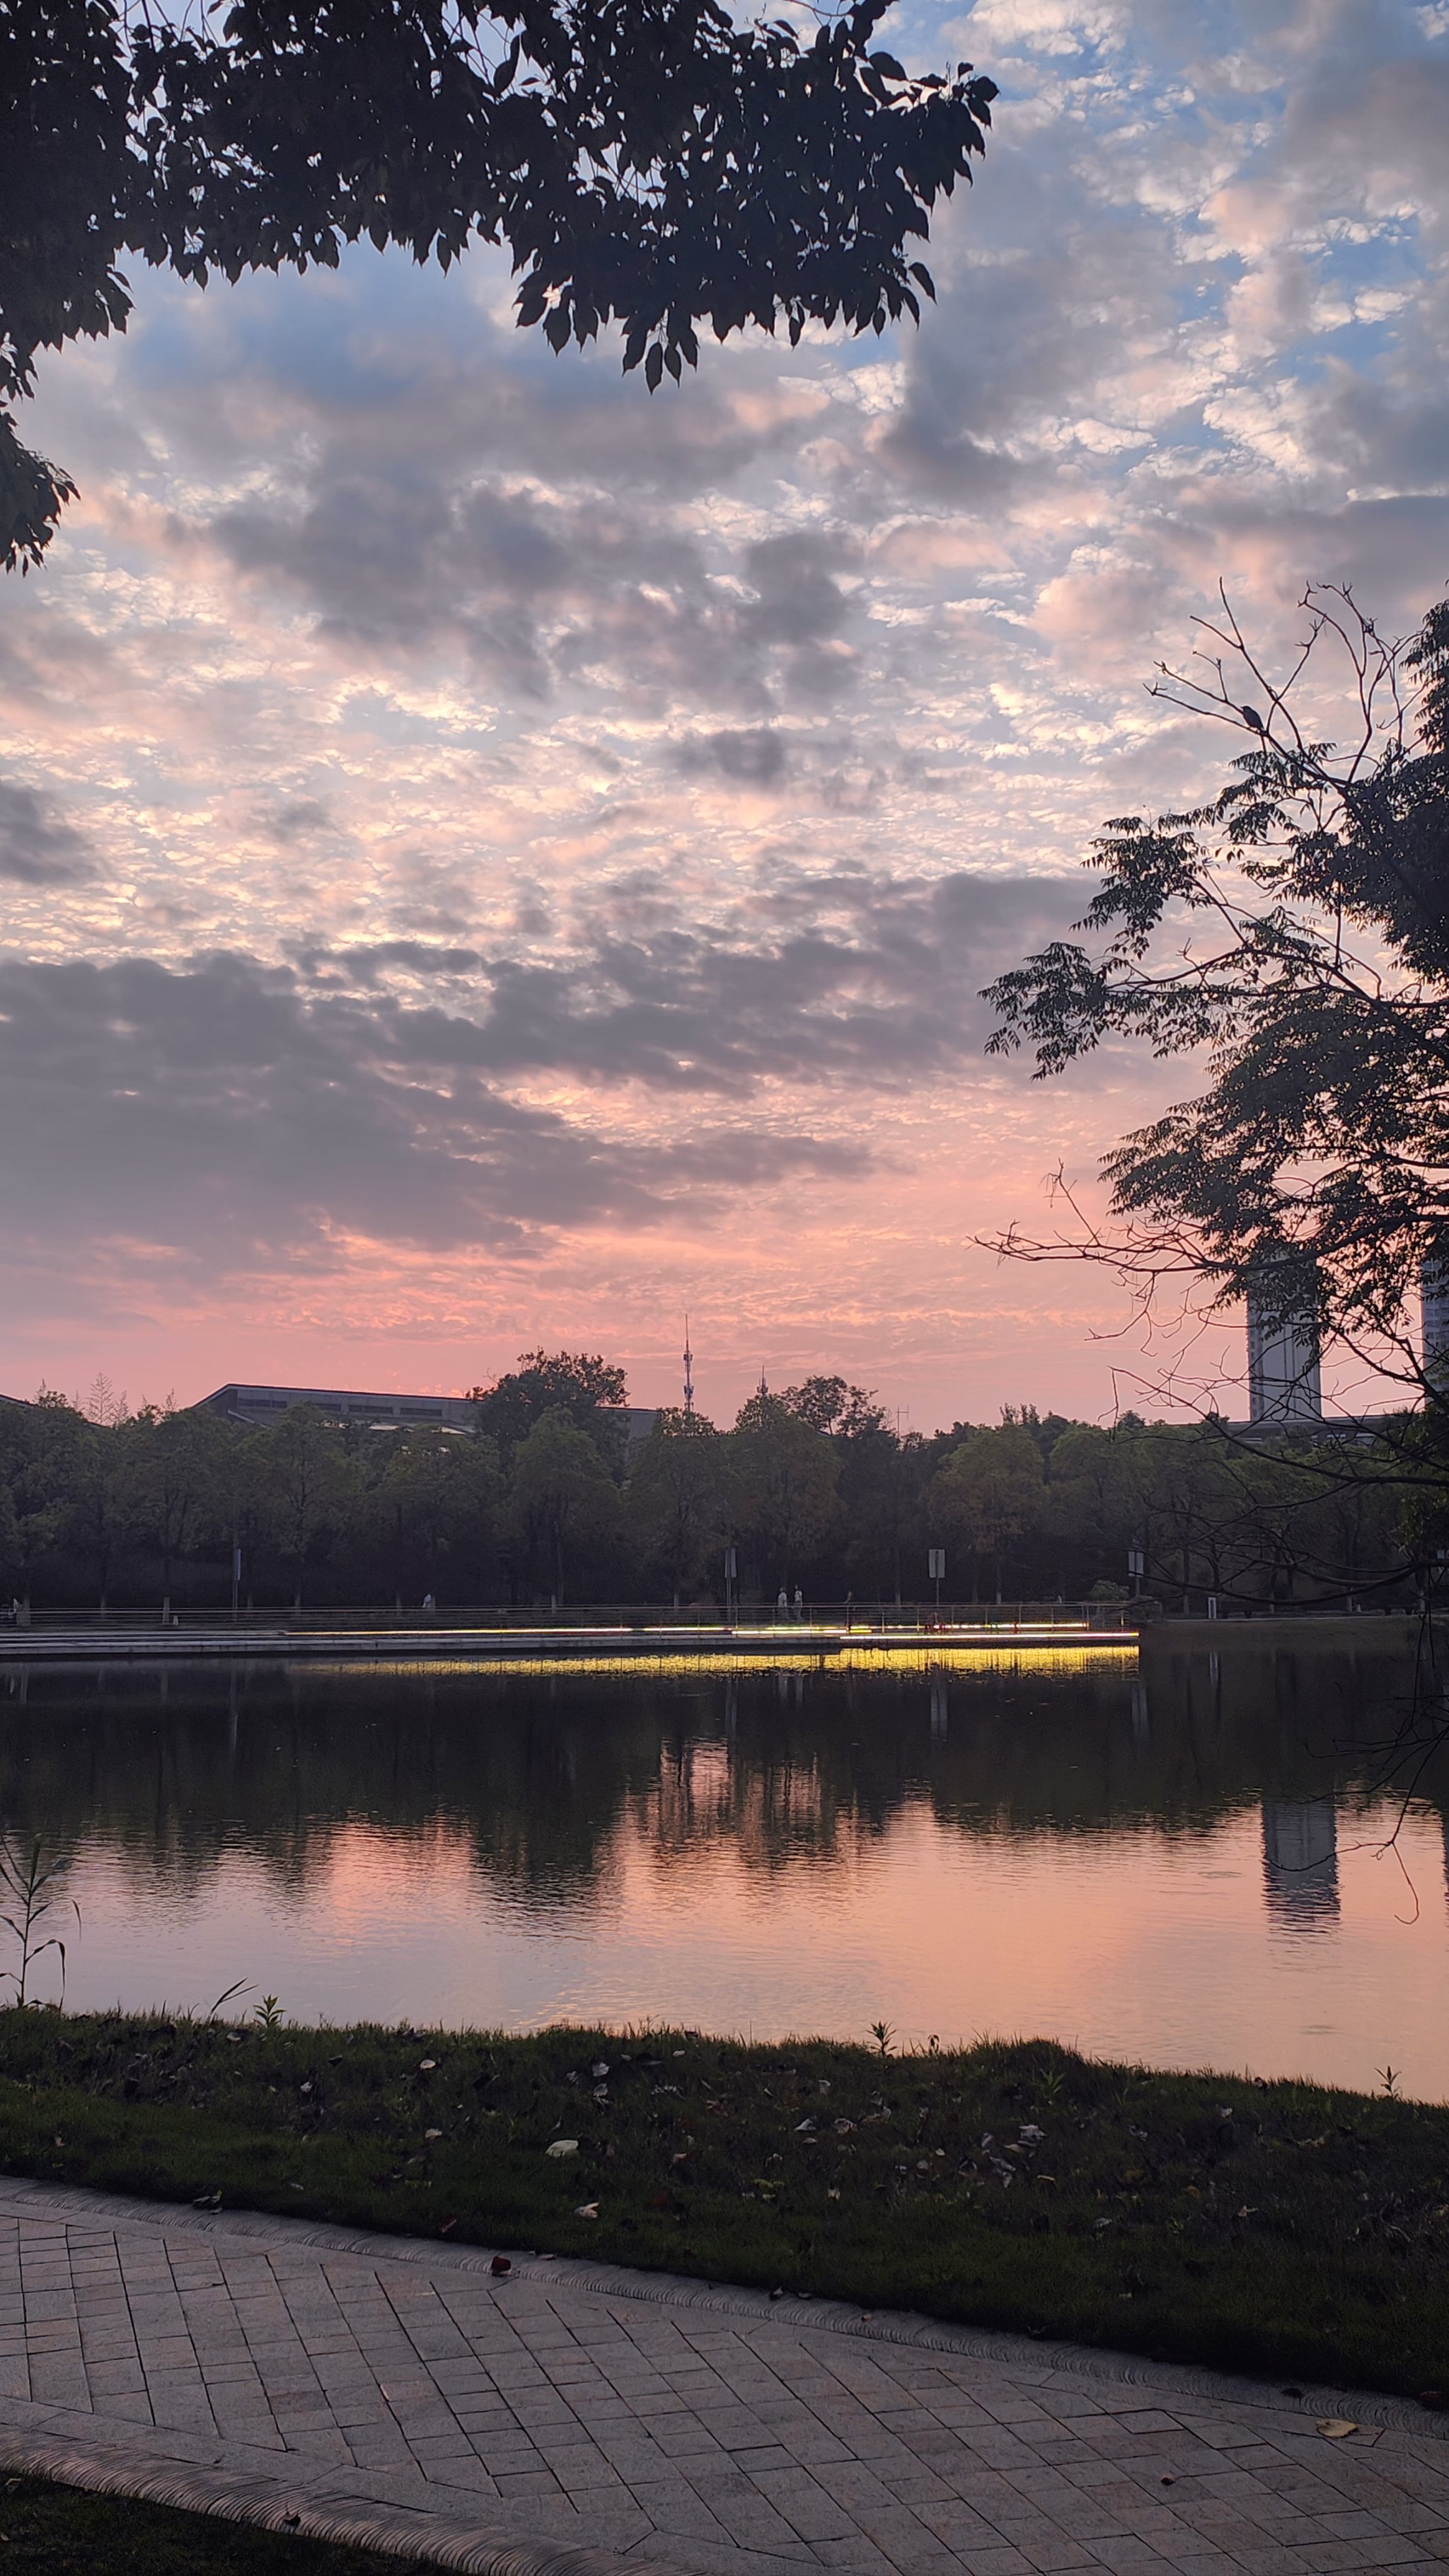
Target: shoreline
(1282, 2228)
(1372, 1631)
(604, 1647)
(788, 1647)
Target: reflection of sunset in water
(1176, 1868)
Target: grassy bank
(1281, 2229)
(48, 2530)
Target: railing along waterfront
(871, 1618)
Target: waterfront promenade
(601, 1648)
(568, 2419)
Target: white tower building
(1434, 1309)
(1283, 1379)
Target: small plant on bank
(269, 2013)
(238, 1986)
(28, 1884)
(883, 2032)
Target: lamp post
(936, 1567)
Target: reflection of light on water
(1021, 1654)
(1007, 1842)
(1141, 1944)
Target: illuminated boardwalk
(792, 1648)
(575, 2418)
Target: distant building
(1283, 1378)
(1434, 1309)
(257, 1406)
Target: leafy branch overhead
(647, 162)
(1296, 929)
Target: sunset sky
(488, 857)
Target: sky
(489, 857)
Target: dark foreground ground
(1274, 2228)
(50, 2530)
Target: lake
(1181, 1862)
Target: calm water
(1181, 1864)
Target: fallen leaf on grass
(563, 2147)
(587, 2209)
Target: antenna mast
(688, 1375)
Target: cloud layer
(456, 809)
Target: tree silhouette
(645, 161)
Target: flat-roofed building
(256, 1406)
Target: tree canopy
(645, 161)
(134, 1508)
(1296, 930)
(591, 1390)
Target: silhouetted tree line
(551, 1500)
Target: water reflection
(1117, 1855)
(1300, 1863)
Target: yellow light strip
(895, 1659)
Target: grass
(50, 2530)
(1275, 2228)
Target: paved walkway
(571, 2420)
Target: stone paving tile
(621, 2414)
